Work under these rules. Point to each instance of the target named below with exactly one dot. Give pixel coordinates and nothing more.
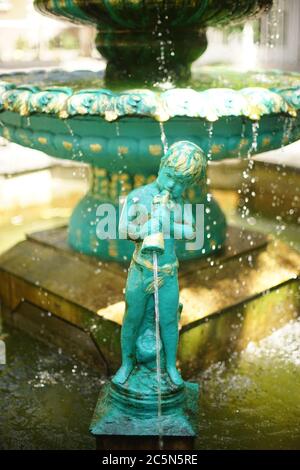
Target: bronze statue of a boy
(152, 218)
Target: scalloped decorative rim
(211, 104)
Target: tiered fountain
(122, 123)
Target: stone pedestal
(133, 423)
(76, 302)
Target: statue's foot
(122, 375)
(175, 376)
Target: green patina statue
(147, 396)
(152, 218)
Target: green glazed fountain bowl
(122, 134)
(56, 113)
(141, 14)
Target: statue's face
(168, 181)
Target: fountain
(123, 124)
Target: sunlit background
(29, 39)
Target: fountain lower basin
(39, 382)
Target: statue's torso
(144, 196)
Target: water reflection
(252, 401)
(249, 402)
(46, 399)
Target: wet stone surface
(46, 399)
(250, 402)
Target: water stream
(210, 137)
(77, 153)
(288, 128)
(69, 128)
(254, 142)
(247, 173)
(166, 48)
(119, 150)
(243, 136)
(163, 137)
(158, 346)
(275, 24)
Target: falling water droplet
(210, 137)
(288, 127)
(163, 137)
(254, 146)
(243, 135)
(274, 25)
(117, 128)
(69, 128)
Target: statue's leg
(136, 300)
(168, 309)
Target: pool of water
(46, 398)
(249, 402)
(252, 401)
(201, 79)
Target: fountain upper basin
(146, 41)
(71, 115)
(138, 14)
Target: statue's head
(183, 165)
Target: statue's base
(116, 429)
(77, 302)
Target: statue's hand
(161, 199)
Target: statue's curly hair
(187, 160)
